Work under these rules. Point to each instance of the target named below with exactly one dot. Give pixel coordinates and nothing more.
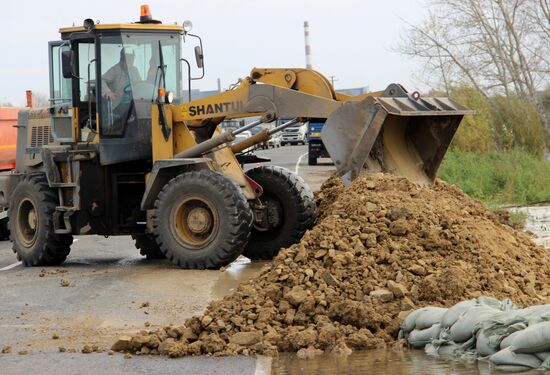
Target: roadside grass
(498, 178)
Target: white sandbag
(543, 356)
(490, 301)
(507, 341)
(463, 329)
(410, 321)
(483, 345)
(506, 357)
(533, 339)
(429, 317)
(451, 316)
(419, 338)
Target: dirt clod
(64, 282)
(6, 349)
(382, 247)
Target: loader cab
(105, 79)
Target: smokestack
(308, 45)
(219, 85)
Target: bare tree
(497, 46)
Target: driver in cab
(118, 80)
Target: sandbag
(419, 338)
(507, 357)
(483, 345)
(429, 317)
(410, 321)
(507, 341)
(543, 356)
(533, 339)
(451, 315)
(463, 329)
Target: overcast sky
(351, 39)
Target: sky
(353, 40)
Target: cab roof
(126, 26)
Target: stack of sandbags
(511, 338)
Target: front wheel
(32, 207)
(290, 212)
(201, 220)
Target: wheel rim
(27, 222)
(196, 222)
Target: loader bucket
(394, 132)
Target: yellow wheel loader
(123, 150)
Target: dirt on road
(382, 247)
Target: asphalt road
(112, 291)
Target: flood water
(537, 222)
(382, 362)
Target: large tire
(311, 160)
(201, 220)
(32, 207)
(294, 204)
(147, 246)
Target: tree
(496, 46)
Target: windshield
(130, 75)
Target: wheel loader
(124, 150)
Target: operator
(117, 85)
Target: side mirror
(67, 64)
(199, 57)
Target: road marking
(298, 163)
(11, 266)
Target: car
(295, 134)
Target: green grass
(498, 178)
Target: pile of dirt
(383, 247)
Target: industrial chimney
(308, 45)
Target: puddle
(382, 362)
(239, 271)
(537, 222)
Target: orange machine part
(8, 137)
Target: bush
(499, 123)
(476, 132)
(496, 178)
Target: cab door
(61, 104)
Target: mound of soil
(383, 247)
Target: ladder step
(64, 184)
(65, 208)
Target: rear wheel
(291, 211)
(311, 160)
(147, 246)
(32, 208)
(201, 220)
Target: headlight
(187, 26)
(169, 97)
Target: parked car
(295, 134)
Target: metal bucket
(395, 132)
